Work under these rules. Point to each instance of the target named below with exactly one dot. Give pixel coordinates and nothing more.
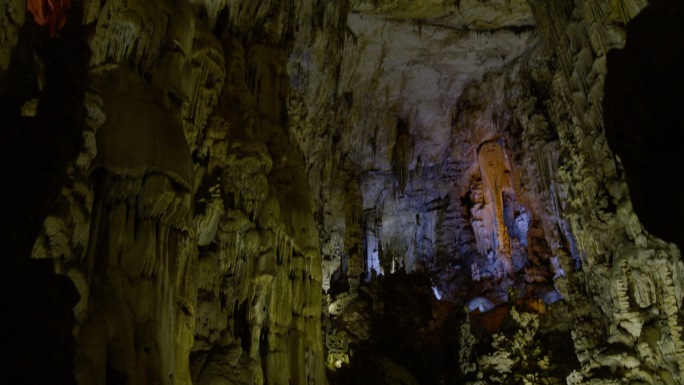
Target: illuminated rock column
(493, 171)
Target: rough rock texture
(193, 247)
(631, 281)
(398, 85)
(260, 271)
(12, 14)
(426, 206)
(415, 192)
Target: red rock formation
(50, 12)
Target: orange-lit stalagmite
(493, 171)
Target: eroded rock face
(192, 241)
(136, 270)
(569, 215)
(613, 248)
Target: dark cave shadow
(643, 108)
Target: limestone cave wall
(185, 219)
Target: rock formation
(493, 174)
(347, 192)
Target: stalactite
(207, 82)
(244, 176)
(124, 28)
(671, 310)
(142, 232)
(352, 234)
(401, 154)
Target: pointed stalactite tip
(52, 13)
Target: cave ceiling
(419, 88)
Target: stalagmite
(493, 171)
(401, 154)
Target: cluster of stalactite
(187, 224)
(629, 284)
(401, 154)
(124, 232)
(259, 273)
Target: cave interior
(312, 192)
